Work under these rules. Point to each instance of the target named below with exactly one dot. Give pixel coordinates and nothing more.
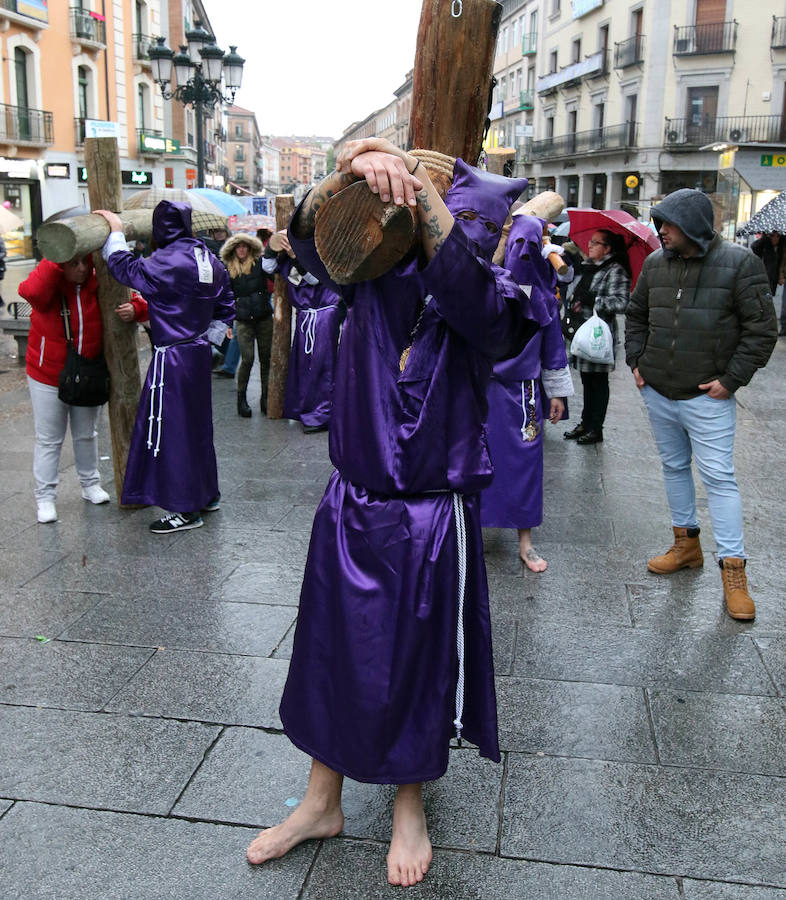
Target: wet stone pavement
(643, 731)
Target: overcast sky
(316, 66)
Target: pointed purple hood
(171, 221)
(486, 195)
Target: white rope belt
(461, 540)
(308, 327)
(159, 360)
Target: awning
(241, 188)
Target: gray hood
(691, 211)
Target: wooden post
(451, 83)
(282, 323)
(104, 190)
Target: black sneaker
(214, 504)
(176, 522)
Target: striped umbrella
(205, 214)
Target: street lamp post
(199, 69)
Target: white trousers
(50, 418)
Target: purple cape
(312, 359)
(171, 459)
(371, 690)
(516, 397)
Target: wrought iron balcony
(589, 67)
(778, 39)
(529, 43)
(527, 99)
(689, 134)
(142, 43)
(630, 52)
(695, 40)
(612, 137)
(22, 125)
(86, 28)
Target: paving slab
(208, 687)
(116, 855)
(26, 613)
(598, 721)
(706, 824)
(559, 597)
(713, 890)
(637, 656)
(253, 582)
(74, 676)
(244, 628)
(773, 652)
(357, 869)
(20, 569)
(98, 760)
(720, 731)
(5, 805)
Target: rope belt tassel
(461, 541)
(159, 360)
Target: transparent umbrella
(205, 216)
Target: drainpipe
(106, 64)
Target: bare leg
(528, 554)
(410, 848)
(318, 816)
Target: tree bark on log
(104, 190)
(454, 68)
(66, 238)
(282, 323)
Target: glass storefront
(22, 197)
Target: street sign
(773, 159)
(156, 143)
(95, 128)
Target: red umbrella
(640, 239)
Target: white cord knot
(461, 542)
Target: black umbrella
(771, 217)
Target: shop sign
(35, 9)
(773, 159)
(18, 168)
(81, 174)
(156, 143)
(582, 7)
(57, 170)
(632, 182)
(94, 128)
(136, 178)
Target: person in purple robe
(392, 650)
(523, 391)
(171, 458)
(312, 358)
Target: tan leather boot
(739, 604)
(684, 553)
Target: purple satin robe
(171, 459)
(371, 690)
(312, 359)
(516, 396)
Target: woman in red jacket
(46, 356)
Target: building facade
(243, 147)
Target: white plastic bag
(592, 341)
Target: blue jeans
(702, 428)
(232, 356)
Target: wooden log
(358, 237)
(104, 190)
(64, 239)
(282, 323)
(451, 83)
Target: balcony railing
(527, 99)
(588, 68)
(778, 39)
(19, 124)
(689, 134)
(630, 52)
(613, 137)
(695, 40)
(142, 43)
(529, 43)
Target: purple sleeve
(487, 310)
(552, 352)
(129, 270)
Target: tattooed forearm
(303, 223)
(423, 200)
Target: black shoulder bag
(83, 381)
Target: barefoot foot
(534, 562)
(305, 823)
(410, 854)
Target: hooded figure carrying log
(392, 652)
